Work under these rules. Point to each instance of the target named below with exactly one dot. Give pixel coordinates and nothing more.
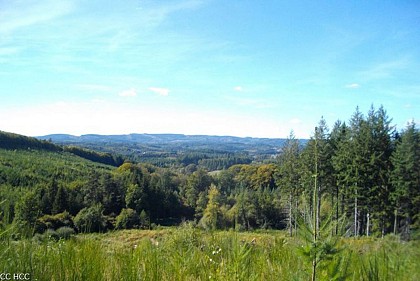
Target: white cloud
(353, 86)
(160, 91)
(128, 93)
(238, 89)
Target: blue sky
(243, 68)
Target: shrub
(51, 234)
(54, 222)
(65, 232)
(91, 219)
(128, 218)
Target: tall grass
(187, 253)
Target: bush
(54, 222)
(50, 234)
(128, 218)
(65, 232)
(91, 219)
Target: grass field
(187, 253)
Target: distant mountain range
(164, 150)
(162, 138)
(147, 144)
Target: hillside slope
(16, 141)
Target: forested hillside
(15, 141)
(176, 150)
(362, 170)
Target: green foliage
(65, 232)
(104, 158)
(54, 222)
(405, 179)
(15, 141)
(322, 251)
(28, 210)
(199, 181)
(144, 220)
(60, 203)
(212, 215)
(91, 219)
(128, 218)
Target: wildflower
(154, 241)
(135, 246)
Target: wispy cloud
(238, 89)
(43, 26)
(384, 70)
(160, 91)
(155, 14)
(128, 93)
(352, 86)
(27, 13)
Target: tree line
(365, 170)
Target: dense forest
(365, 173)
(176, 150)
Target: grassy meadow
(188, 253)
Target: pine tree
(288, 178)
(60, 203)
(362, 165)
(378, 169)
(315, 164)
(337, 139)
(405, 178)
(348, 165)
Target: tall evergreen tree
(288, 178)
(60, 203)
(378, 169)
(405, 178)
(316, 165)
(338, 138)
